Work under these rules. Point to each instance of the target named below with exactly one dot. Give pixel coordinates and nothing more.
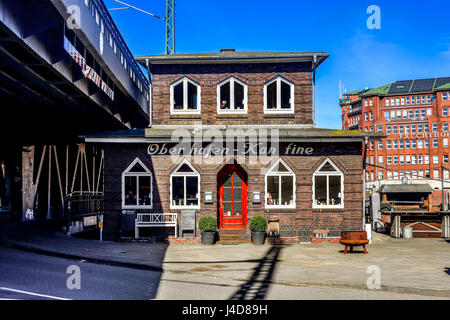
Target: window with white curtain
(185, 187)
(280, 186)
(137, 186)
(328, 186)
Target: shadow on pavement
(257, 286)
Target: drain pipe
(314, 66)
(150, 94)
(366, 139)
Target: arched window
(328, 186)
(279, 96)
(137, 190)
(231, 96)
(185, 97)
(280, 186)
(185, 187)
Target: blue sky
(413, 42)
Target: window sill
(329, 209)
(185, 208)
(280, 210)
(279, 115)
(185, 116)
(232, 115)
(136, 207)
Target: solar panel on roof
(402, 86)
(441, 81)
(423, 85)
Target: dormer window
(185, 97)
(231, 96)
(279, 96)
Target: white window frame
(185, 110)
(127, 173)
(232, 109)
(278, 109)
(174, 173)
(338, 172)
(290, 173)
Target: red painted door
(233, 201)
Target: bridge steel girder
(36, 51)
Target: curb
(69, 256)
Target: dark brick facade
(296, 224)
(299, 222)
(254, 75)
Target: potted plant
(258, 226)
(208, 227)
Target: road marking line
(32, 293)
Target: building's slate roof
(378, 91)
(405, 188)
(353, 92)
(444, 87)
(408, 87)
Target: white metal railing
(156, 220)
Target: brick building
(414, 116)
(232, 136)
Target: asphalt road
(31, 276)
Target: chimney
(225, 50)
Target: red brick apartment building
(311, 181)
(415, 116)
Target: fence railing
(78, 205)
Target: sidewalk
(415, 266)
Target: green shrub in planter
(207, 224)
(258, 224)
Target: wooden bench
(155, 220)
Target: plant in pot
(208, 227)
(258, 226)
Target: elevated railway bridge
(65, 70)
